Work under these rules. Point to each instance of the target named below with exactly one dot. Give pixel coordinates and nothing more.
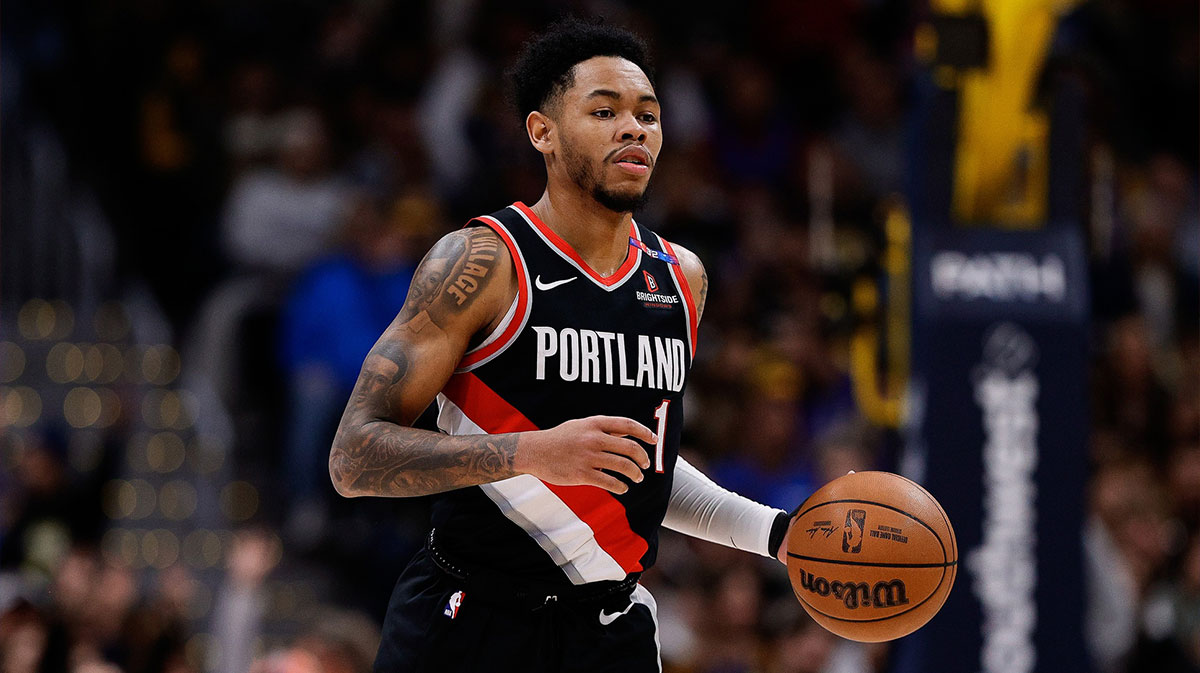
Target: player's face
(609, 131)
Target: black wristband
(779, 531)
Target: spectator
(363, 284)
(237, 619)
(278, 220)
(765, 466)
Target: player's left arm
(698, 506)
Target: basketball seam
(941, 512)
(870, 564)
(937, 537)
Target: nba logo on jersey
(651, 284)
(453, 605)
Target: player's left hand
(783, 548)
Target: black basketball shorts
(439, 622)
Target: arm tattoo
(373, 452)
(453, 274)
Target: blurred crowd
(270, 173)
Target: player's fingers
(608, 482)
(627, 448)
(619, 425)
(620, 465)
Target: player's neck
(598, 234)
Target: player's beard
(587, 175)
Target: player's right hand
(578, 452)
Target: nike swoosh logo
(550, 286)
(606, 619)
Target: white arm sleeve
(700, 508)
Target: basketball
(872, 556)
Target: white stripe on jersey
(527, 502)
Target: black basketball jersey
(573, 344)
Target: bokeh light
(110, 407)
(239, 500)
(20, 407)
(145, 499)
(162, 409)
(82, 407)
(120, 547)
(202, 549)
(160, 548)
(63, 317)
(64, 362)
(160, 365)
(113, 362)
(165, 452)
(93, 362)
(118, 499)
(39, 319)
(177, 500)
(12, 362)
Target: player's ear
(540, 128)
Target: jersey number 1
(661, 415)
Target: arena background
(208, 211)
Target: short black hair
(545, 66)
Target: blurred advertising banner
(998, 433)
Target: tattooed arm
(460, 290)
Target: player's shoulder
(476, 243)
(473, 267)
(688, 261)
(693, 270)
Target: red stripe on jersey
(606, 517)
(492, 413)
(681, 278)
(598, 508)
(518, 319)
(617, 276)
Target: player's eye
(649, 118)
(604, 114)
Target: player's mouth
(634, 160)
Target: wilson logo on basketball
(852, 532)
(887, 594)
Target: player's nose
(631, 128)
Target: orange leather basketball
(872, 556)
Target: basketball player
(556, 339)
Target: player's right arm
(458, 291)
